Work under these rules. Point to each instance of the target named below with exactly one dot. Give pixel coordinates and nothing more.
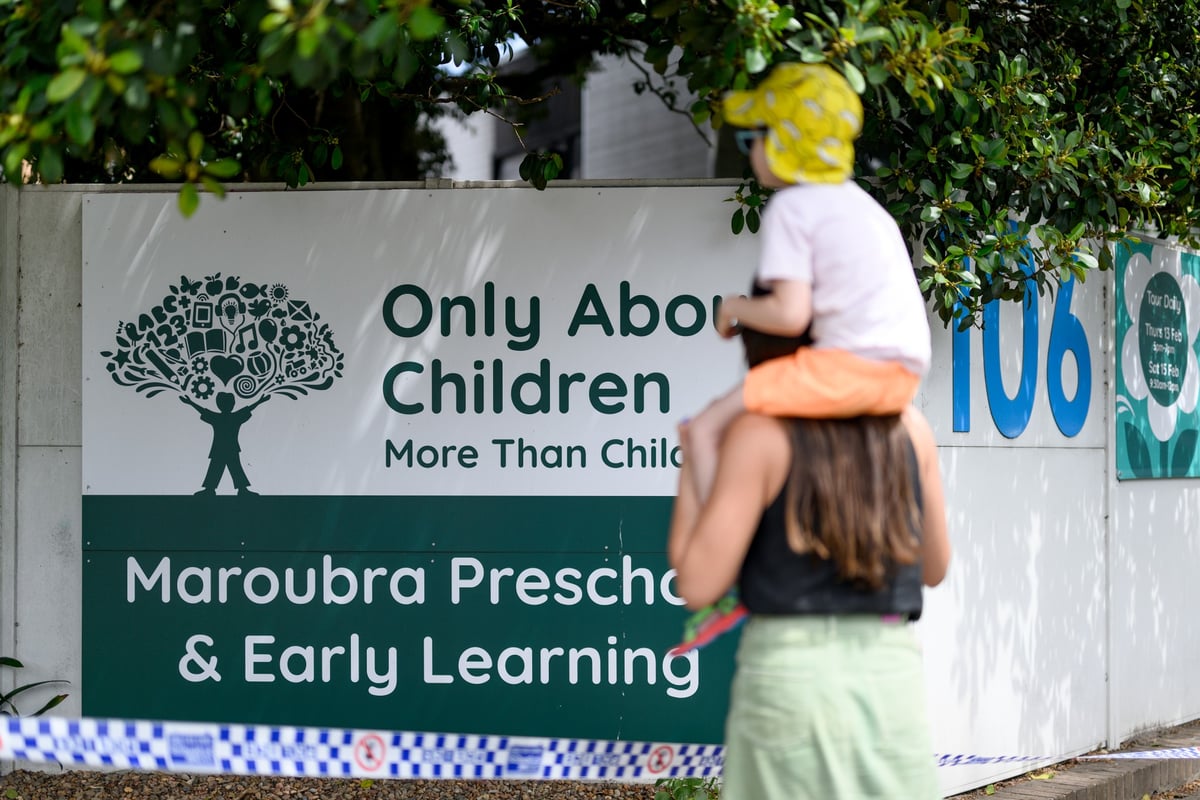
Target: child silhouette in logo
(225, 453)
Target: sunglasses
(745, 139)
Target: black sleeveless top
(776, 580)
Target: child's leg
(704, 438)
(828, 384)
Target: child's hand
(726, 322)
(683, 429)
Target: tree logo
(225, 347)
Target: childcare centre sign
(399, 459)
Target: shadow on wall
(1028, 575)
(1156, 552)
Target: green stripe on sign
(377, 524)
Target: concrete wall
(41, 436)
(1064, 624)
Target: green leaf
(51, 703)
(271, 22)
(877, 74)
(223, 168)
(855, 77)
(738, 222)
(80, 124)
(50, 164)
(262, 96)
(379, 32)
(424, 23)
(307, 41)
(126, 61)
(189, 199)
(14, 156)
(665, 9)
(65, 84)
(756, 60)
(169, 167)
(931, 214)
(195, 145)
(335, 158)
(213, 185)
(74, 42)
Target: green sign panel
(1158, 318)
(526, 616)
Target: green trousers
(828, 708)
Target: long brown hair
(850, 492)
(850, 496)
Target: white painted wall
(1015, 640)
(1052, 555)
(471, 143)
(625, 135)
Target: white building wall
(626, 135)
(471, 142)
(623, 134)
(1155, 590)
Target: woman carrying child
(830, 528)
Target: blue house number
(1011, 413)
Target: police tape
(964, 760)
(212, 748)
(197, 747)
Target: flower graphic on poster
(225, 346)
(1159, 370)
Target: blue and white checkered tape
(199, 747)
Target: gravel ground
(125, 785)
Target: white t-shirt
(865, 299)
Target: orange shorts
(828, 384)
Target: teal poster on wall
(1157, 321)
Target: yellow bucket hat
(812, 117)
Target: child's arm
(786, 311)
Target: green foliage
(1076, 124)
(687, 789)
(8, 706)
(990, 124)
